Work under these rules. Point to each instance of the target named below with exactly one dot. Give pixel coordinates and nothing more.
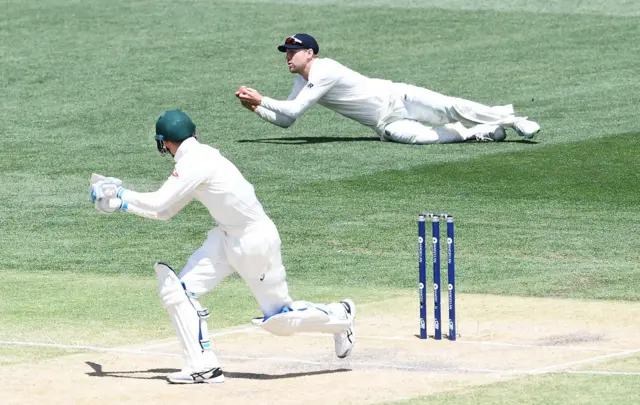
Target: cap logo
(292, 40)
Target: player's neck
(307, 69)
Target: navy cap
(300, 41)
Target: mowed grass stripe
(111, 78)
(558, 220)
(108, 111)
(616, 8)
(554, 221)
(90, 113)
(117, 310)
(542, 390)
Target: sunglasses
(292, 41)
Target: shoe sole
(348, 352)
(352, 306)
(215, 380)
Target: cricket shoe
(346, 340)
(525, 128)
(187, 376)
(489, 133)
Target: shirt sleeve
(174, 194)
(161, 216)
(298, 85)
(308, 95)
(278, 119)
(275, 118)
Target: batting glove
(107, 188)
(110, 205)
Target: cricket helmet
(173, 126)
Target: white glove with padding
(108, 205)
(105, 192)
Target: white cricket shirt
(201, 173)
(335, 86)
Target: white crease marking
(347, 364)
(257, 330)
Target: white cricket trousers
(253, 253)
(415, 106)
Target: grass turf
(83, 83)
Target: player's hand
(240, 90)
(109, 205)
(251, 96)
(110, 187)
(249, 106)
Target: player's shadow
(137, 374)
(305, 140)
(491, 144)
(308, 140)
(524, 141)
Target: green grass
(631, 364)
(83, 82)
(84, 309)
(542, 390)
(528, 224)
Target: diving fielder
(397, 112)
(245, 240)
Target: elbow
(295, 113)
(286, 123)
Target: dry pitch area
(500, 338)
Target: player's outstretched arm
(292, 107)
(111, 205)
(174, 194)
(107, 196)
(272, 117)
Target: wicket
(422, 274)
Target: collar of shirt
(184, 148)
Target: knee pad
(170, 289)
(173, 292)
(185, 311)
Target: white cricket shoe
(187, 376)
(346, 340)
(525, 128)
(489, 133)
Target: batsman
(244, 240)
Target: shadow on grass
(304, 140)
(307, 140)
